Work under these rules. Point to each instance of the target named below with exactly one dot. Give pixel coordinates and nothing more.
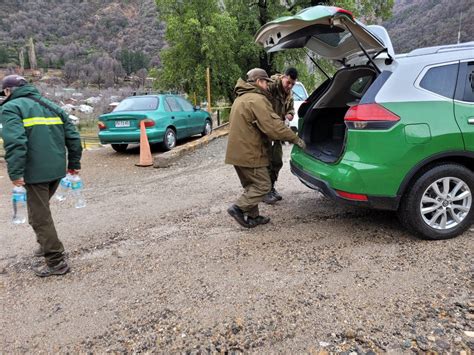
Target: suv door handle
(470, 120)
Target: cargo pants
(275, 152)
(40, 218)
(256, 183)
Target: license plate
(122, 124)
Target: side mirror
(197, 108)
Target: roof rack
(441, 49)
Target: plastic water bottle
(76, 187)
(19, 204)
(63, 188)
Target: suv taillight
(370, 116)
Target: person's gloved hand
(300, 143)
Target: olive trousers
(40, 218)
(256, 183)
(275, 152)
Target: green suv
(166, 117)
(387, 131)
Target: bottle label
(76, 185)
(65, 183)
(19, 197)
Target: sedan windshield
(138, 104)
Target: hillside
(424, 23)
(66, 30)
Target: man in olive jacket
(253, 123)
(36, 133)
(283, 105)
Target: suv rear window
(441, 80)
(138, 104)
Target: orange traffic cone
(145, 152)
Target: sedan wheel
(169, 140)
(207, 128)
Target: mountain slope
(67, 29)
(425, 23)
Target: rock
(407, 344)
(323, 344)
(431, 338)
(468, 333)
(442, 344)
(350, 334)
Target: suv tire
(435, 188)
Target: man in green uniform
(36, 134)
(283, 105)
(253, 123)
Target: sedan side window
(185, 105)
(441, 80)
(174, 106)
(469, 86)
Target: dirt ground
(158, 265)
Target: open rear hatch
(332, 33)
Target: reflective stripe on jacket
(36, 138)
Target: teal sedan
(167, 118)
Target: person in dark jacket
(37, 134)
(253, 123)
(283, 105)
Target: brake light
(351, 196)
(101, 125)
(149, 123)
(343, 11)
(370, 116)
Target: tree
(200, 34)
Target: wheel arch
(464, 158)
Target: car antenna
(315, 63)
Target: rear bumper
(376, 202)
(130, 137)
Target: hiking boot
(261, 220)
(276, 194)
(59, 269)
(270, 199)
(239, 216)
(38, 252)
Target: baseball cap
(11, 81)
(257, 73)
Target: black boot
(240, 217)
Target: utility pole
(459, 29)
(208, 79)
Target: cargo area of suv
(324, 129)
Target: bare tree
(32, 54)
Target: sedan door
(194, 119)
(178, 117)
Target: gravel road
(158, 265)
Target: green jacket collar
(22, 91)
